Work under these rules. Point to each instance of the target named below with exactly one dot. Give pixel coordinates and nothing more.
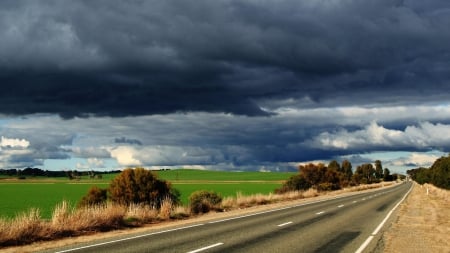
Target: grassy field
(44, 193)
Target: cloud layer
(120, 58)
(221, 141)
(227, 83)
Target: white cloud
(92, 163)
(95, 162)
(14, 143)
(425, 135)
(125, 156)
(416, 160)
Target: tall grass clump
(24, 228)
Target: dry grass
(141, 213)
(242, 201)
(24, 228)
(422, 223)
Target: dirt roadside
(422, 223)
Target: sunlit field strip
(44, 193)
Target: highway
(340, 224)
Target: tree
(378, 169)
(347, 169)
(294, 183)
(387, 175)
(365, 173)
(440, 173)
(334, 165)
(140, 186)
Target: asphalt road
(341, 224)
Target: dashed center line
(205, 248)
(284, 224)
(354, 201)
(322, 212)
(339, 206)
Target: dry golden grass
(141, 213)
(166, 208)
(23, 229)
(422, 223)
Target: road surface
(342, 224)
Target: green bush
(204, 201)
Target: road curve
(341, 224)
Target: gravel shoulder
(422, 223)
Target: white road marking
(320, 212)
(129, 238)
(339, 206)
(284, 224)
(207, 247)
(354, 201)
(367, 241)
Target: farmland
(44, 193)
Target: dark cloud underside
(120, 58)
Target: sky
(225, 85)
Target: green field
(44, 193)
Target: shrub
(204, 201)
(294, 183)
(140, 186)
(95, 196)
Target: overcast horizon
(223, 85)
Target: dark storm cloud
(124, 140)
(119, 58)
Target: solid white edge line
(367, 241)
(364, 245)
(207, 247)
(129, 238)
(284, 224)
(390, 213)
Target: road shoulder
(422, 223)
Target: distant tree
(334, 165)
(365, 173)
(440, 172)
(314, 174)
(378, 169)
(294, 183)
(387, 175)
(347, 169)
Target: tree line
(438, 174)
(336, 176)
(36, 172)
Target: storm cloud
(124, 58)
(225, 84)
